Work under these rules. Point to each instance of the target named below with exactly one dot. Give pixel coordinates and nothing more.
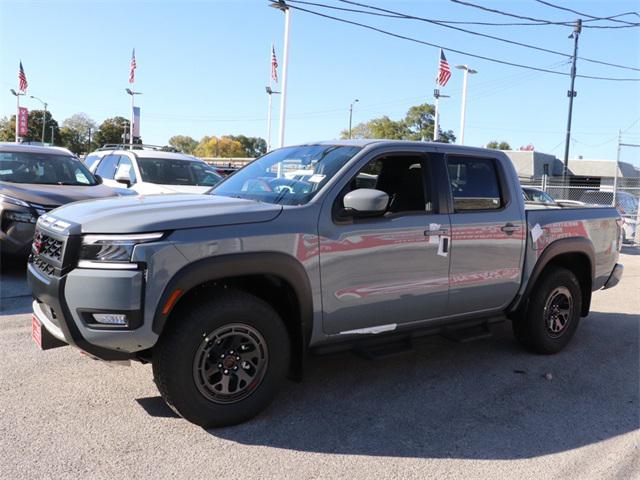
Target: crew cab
(378, 243)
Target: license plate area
(41, 336)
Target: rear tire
(552, 314)
(222, 361)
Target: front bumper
(614, 278)
(61, 313)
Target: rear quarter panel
(598, 225)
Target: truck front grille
(42, 265)
(50, 247)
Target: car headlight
(112, 251)
(13, 201)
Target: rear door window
(107, 167)
(474, 183)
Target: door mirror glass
(366, 202)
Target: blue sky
(202, 68)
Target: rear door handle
(441, 231)
(510, 228)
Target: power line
(482, 57)
(547, 22)
(471, 32)
(549, 4)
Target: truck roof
(368, 142)
(19, 147)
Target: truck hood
(150, 213)
(52, 196)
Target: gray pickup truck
(314, 248)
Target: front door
(378, 273)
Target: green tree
(111, 130)
(75, 133)
(253, 146)
(498, 146)
(8, 129)
(34, 126)
(417, 124)
(184, 143)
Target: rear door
(488, 235)
(381, 272)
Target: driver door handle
(510, 228)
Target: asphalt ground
(485, 409)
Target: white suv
(148, 170)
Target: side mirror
(122, 176)
(366, 202)
(98, 178)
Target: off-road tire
(531, 327)
(176, 352)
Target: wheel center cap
(229, 362)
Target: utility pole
(571, 93)
(44, 115)
(52, 139)
(283, 7)
(351, 115)
(615, 176)
(89, 143)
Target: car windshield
(168, 171)
(43, 168)
(287, 176)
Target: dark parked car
(35, 180)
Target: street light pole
(17, 94)
(351, 115)
(270, 92)
(467, 71)
(131, 123)
(44, 115)
(571, 94)
(52, 127)
(283, 7)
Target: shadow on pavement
(483, 400)
(156, 407)
(630, 250)
(15, 295)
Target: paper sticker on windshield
(317, 178)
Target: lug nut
(237, 357)
(222, 355)
(226, 372)
(219, 365)
(235, 368)
(230, 352)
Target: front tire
(221, 361)
(552, 314)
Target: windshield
(287, 176)
(44, 169)
(167, 171)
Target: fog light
(110, 318)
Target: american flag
(132, 72)
(274, 64)
(22, 79)
(444, 72)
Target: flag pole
(436, 94)
(133, 87)
(17, 115)
(270, 93)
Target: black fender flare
(210, 269)
(552, 251)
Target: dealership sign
(23, 115)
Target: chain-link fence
(622, 192)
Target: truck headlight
(13, 201)
(112, 251)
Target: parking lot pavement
(485, 409)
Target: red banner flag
(23, 117)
